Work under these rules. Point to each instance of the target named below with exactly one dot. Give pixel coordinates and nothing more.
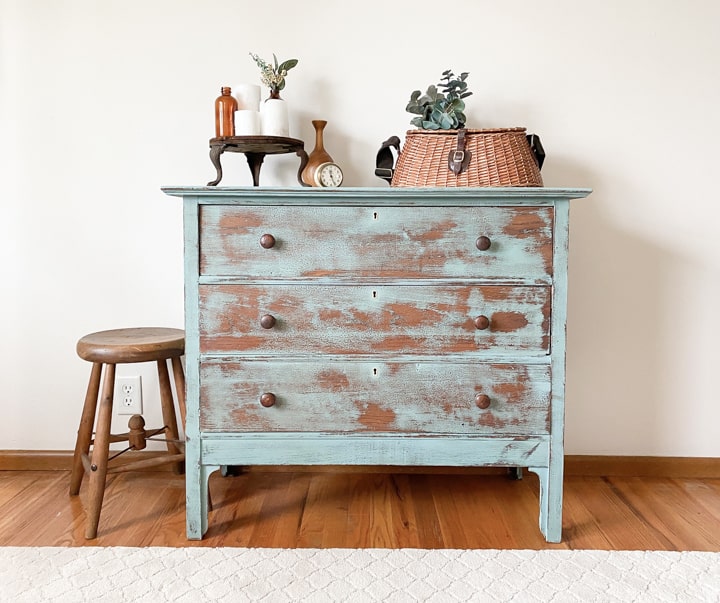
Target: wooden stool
(120, 346)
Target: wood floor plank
(403, 513)
(358, 510)
(237, 504)
(312, 521)
(429, 530)
(669, 510)
(597, 508)
(287, 512)
(704, 493)
(362, 526)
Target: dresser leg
(205, 504)
(197, 513)
(550, 503)
(550, 519)
(515, 473)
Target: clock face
(328, 175)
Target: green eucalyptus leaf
(287, 65)
(417, 122)
(432, 93)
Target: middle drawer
(349, 319)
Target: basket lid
(468, 130)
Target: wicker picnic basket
(488, 157)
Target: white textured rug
(196, 575)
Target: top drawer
(383, 242)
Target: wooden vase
(318, 156)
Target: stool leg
(179, 375)
(99, 461)
(168, 411)
(84, 435)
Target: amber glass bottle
(225, 107)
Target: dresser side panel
(195, 517)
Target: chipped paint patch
(507, 322)
(332, 380)
(374, 417)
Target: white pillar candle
(247, 123)
(247, 96)
(274, 118)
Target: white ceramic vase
(274, 119)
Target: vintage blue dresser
(375, 326)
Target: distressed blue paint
(380, 396)
(348, 393)
(331, 449)
(428, 320)
(316, 242)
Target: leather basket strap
(459, 159)
(385, 161)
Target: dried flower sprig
(274, 76)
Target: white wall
(104, 101)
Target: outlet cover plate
(128, 395)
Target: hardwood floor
(336, 508)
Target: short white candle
(247, 123)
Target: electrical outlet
(128, 395)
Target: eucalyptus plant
(442, 106)
(273, 75)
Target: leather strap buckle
(459, 159)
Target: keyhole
(374, 215)
(374, 293)
(374, 371)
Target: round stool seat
(140, 344)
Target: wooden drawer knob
(267, 241)
(483, 243)
(482, 322)
(267, 399)
(267, 321)
(482, 401)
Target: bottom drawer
(355, 396)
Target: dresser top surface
(377, 195)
